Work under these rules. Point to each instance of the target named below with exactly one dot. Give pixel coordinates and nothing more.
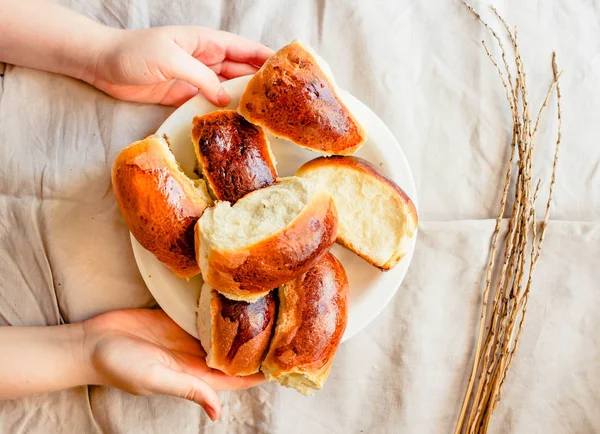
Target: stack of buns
(274, 298)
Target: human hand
(164, 65)
(169, 65)
(145, 353)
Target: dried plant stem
(508, 281)
(488, 278)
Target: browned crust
(241, 332)
(292, 97)
(342, 242)
(159, 204)
(317, 314)
(234, 154)
(255, 270)
(364, 166)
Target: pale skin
(140, 351)
(161, 65)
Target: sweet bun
(267, 238)
(313, 312)
(376, 217)
(235, 334)
(294, 96)
(159, 203)
(234, 155)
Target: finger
(178, 93)
(221, 78)
(187, 68)
(196, 366)
(220, 381)
(165, 381)
(240, 49)
(231, 69)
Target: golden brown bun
(292, 96)
(377, 219)
(267, 238)
(234, 155)
(235, 334)
(313, 312)
(159, 203)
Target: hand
(169, 65)
(144, 352)
(164, 65)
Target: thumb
(168, 382)
(185, 67)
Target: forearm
(43, 35)
(36, 360)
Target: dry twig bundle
(505, 301)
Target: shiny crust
(241, 333)
(361, 165)
(294, 98)
(234, 154)
(312, 319)
(251, 272)
(159, 203)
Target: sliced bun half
(313, 313)
(160, 203)
(376, 217)
(234, 155)
(267, 238)
(235, 334)
(294, 96)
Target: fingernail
(212, 413)
(223, 98)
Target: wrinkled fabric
(65, 253)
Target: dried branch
(501, 324)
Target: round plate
(370, 289)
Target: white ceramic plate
(370, 289)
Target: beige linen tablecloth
(65, 253)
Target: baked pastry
(294, 96)
(235, 334)
(267, 238)
(160, 203)
(234, 155)
(313, 312)
(376, 217)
